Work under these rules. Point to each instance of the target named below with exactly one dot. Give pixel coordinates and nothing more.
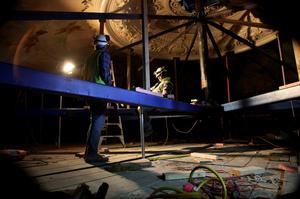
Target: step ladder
(108, 121)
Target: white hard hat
(159, 71)
(100, 40)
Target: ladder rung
(111, 136)
(108, 123)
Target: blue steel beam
(24, 77)
(263, 99)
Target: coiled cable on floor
(172, 192)
(218, 177)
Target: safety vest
(92, 69)
(164, 85)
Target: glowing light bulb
(68, 68)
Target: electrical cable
(173, 192)
(294, 116)
(275, 145)
(167, 136)
(177, 193)
(203, 183)
(186, 132)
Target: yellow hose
(172, 192)
(203, 183)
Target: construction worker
(164, 86)
(97, 69)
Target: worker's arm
(153, 87)
(105, 62)
(167, 89)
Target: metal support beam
(280, 51)
(128, 71)
(175, 62)
(227, 78)
(156, 35)
(243, 23)
(146, 69)
(201, 47)
(191, 47)
(56, 15)
(213, 41)
(246, 42)
(145, 36)
(25, 77)
(25, 15)
(59, 122)
(267, 98)
(142, 132)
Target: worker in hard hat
(97, 69)
(164, 86)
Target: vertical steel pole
(146, 71)
(284, 79)
(175, 61)
(227, 79)
(41, 118)
(204, 83)
(281, 59)
(128, 71)
(141, 117)
(59, 124)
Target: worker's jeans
(98, 122)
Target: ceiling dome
(178, 42)
(48, 43)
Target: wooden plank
(290, 85)
(204, 155)
(136, 184)
(251, 170)
(76, 164)
(61, 182)
(139, 89)
(60, 166)
(122, 185)
(67, 175)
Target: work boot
(95, 158)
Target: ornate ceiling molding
(52, 41)
(125, 32)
